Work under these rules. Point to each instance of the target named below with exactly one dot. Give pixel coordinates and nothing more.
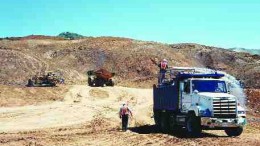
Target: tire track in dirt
(44, 116)
(89, 116)
(78, 107)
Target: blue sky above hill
(222, 23)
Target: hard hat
(164, 60)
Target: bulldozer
(100, 78)
(50, 79)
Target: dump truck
(50, 79)
(100, 78)
(194, 101)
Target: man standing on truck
(163, 67)
(124, 115)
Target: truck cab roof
(182, 76)
(176, 74)
(206, 79)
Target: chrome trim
(224, 107)
(222, 122)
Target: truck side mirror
(228, 87)
(195, 91)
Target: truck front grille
(224, 107)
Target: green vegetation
(70, 35)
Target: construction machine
(50, 79)
(100, 78)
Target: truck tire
(165, 122)
(90, 83)
(30, 83)
(103, 85)
(100, 82)
(110, 83)
(193, 125)
(157, 118)
(234, 131)
(174, 128)
(97, 82)
(52, 84)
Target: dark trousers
(124, 122)
(161, 77)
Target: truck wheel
(110, 83)
(234, 131)
(104, 85)
(165, 123)
(157, 119)
(100, 82)
(97, 82)
(193, 126)
(174, 128)
(53, 84)
(30, 83)
(90, 83)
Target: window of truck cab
(187, 86)
(216, 86)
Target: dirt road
(89, 116)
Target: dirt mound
(12, 96)
(243, 66)
(253, 96)
(97, 93)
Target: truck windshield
(209, 86)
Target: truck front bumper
(222, 122)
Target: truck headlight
(241, 112)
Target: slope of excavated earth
(131, 60)
(12, 96)
(80, 104)
(253, 98)
(89, 116)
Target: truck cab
(198, 101)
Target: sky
(220, 23)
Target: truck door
(186, 96)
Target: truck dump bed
(166, 97)
(102, 73)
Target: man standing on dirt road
(124, 113)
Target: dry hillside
(130, 59)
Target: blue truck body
(166, 96)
